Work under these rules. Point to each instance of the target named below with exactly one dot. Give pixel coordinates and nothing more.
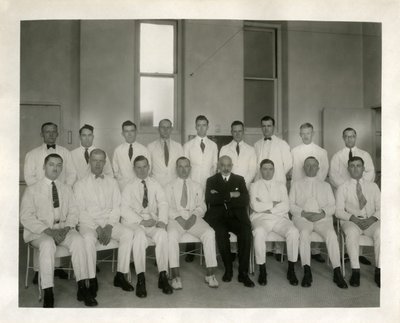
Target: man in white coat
(312, 205)
(243, 156)
(144, 204)
(163, 154)
(358, 206)
(99, 201)
(49, 215)
(125, 154)
(80, 155)
(270, 204)
(186, 211)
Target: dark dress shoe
(245, 279)
(141, 286)
(35, 278)
(377, 277)
(163, 283)
(355, 278)
(84, 294)
(307, 279)
(60, 273)
(93, 286)
(262, 278)
(364, 260)
(227, 277)
(291, 277)
(48, 299)
(338, 278)
(120, 281)
(318, 257)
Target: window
(157, 81)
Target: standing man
(270, 203)
(243, 156)
(186, 210)
(33, 167)
(99, 200)
(358, 205)
(163, 153)
(125, 154)
(144, 204)
(80, 155)
(49, 215)
(228, 200)
(312, 205)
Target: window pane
(156, 48)
(156, 100)
(259, 100)
(259, 55)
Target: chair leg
(28, 256)
(201, 254)
(113, 261)
(343, 263)
(39, 286)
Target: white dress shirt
(98, 200)
(195, 199)
(132, 197)
(301, 152)
(347, 201)
(37, 210)
(338, 173)
(122, 166)
(82, 168)
(311, 195)
(204, 164)
(34, 161)
(162, 173)
(244, 164)
(278, 151)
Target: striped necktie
(54, 193)
(202, 146)
(130, 152)
(184, 197)
(362, 201)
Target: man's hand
(56, 234)
(181, 221)
(312, 216)
(235, 194)
(357, 221)
(191, 221)
(148, 223)
(161, 225)
(366, 223)
(107, 230)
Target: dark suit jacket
(220, 204)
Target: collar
(234, 143)
(310, 179)
(88, 148)
(267, 181)
(354, 181)
(272, 138)
(198, 138)
(161, 140)
(45, 146)
(126, 144)
(94, 176)
(48, 181)
(227, 176)
(347, 149)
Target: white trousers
(324, 228)
(201, 230)
(352, 232)
(47, 249)
(120, 233)
(160, 238)
(262, 225)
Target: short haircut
(237, 123)
(201, 117)
(170, 122)
(311, 157)
(267, 161)
(306, 125)
(348, 129)
(48, 124)
(140, 158)
(267, 118)
(182, 158)
(86, 126)
(98, 151)
(355, 158)
(128, 123)
(52, 156)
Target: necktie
(184, 197)
(145, 201)
(99, 176)
(54, 193)
(202, 146)
(350, 154)
(267, 138)
(225, 179)
(86, 154)
(130, 152)
(51, 146)
(237, 149)
(166, 153)
(361, 198)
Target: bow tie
(51, 146)
(268, 138)
(99, 176)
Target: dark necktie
(268, 138)
(145, 201)
(361, 198)
(237, 149)
(54, 193)
(226, 179)
(184, 197)
(130, 152)
(51, 146)
(166, 153)
(202, 146)
(350, 154)
(99, 176)
(86, 154)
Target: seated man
(144, 204)
(312, 205)
(228, 199)
(99, 200)
(358, 206)
(49, 215)
(186, 210)
(270, 203)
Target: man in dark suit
(227, 199)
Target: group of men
(80, 199)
